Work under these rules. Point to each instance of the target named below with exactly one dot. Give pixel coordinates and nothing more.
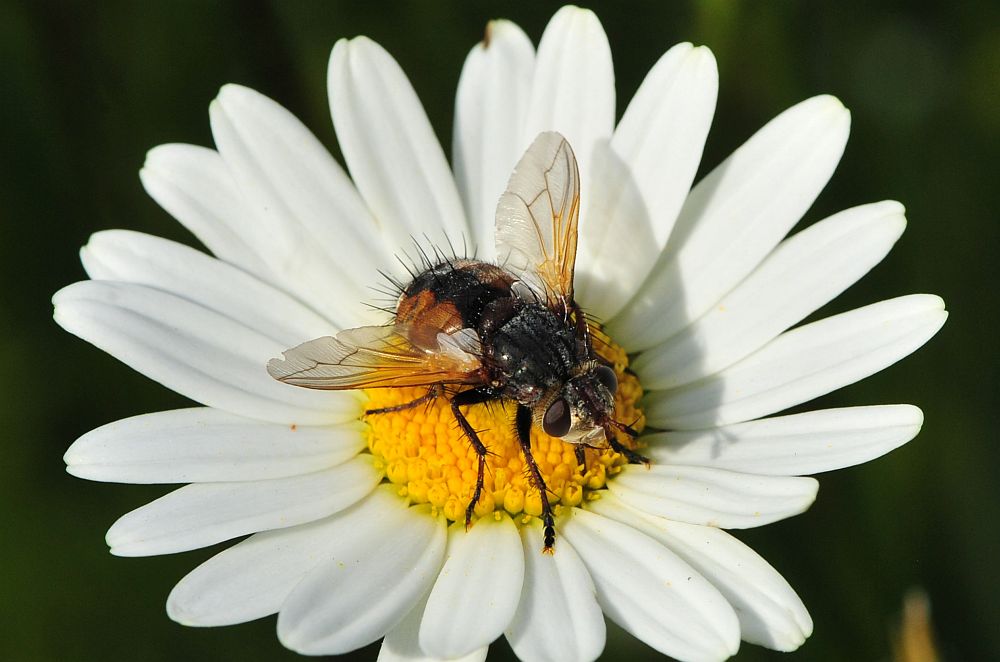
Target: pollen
(430, 459)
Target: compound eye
(557, 419)
(607, 376)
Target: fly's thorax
(532, 353)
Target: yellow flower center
(427, 455)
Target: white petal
(641, 182)
(200, 353)
(126, 256)
(252, 579)
(643, 587)
(558, 617)
(802, 364)
(365, 587)
(793, 445)
(802, 274)
(249, 580)
(203, 514)
(573, 90)
(475, 597)
(390, 148)
(490, 106)
(770, 612)
(322, 243)
(194, 185)
(207, 445)
(734, 217)
(713, 497)
(402, 644)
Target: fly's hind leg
(433, 393)
(523, 424)
(473, 397)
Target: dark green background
(86, 89)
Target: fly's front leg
(523, 424)
(474, 397)
(433, 393)
(632, 456)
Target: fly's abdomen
(448, 297)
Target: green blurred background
(86, 89)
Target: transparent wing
(378, 357)
(537, 216)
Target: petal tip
(364, 45)
(501, 30)
(79, 468)
(215, 109)
(59, 295)
(289, 638)
(338, 52)
(62, 304)
(829, 102)
(787, 642)
(176, 611)
(810, 493)
(577, 19)
(791, 638)
(490, 31)
(234, 92)
(153, 157)
(73, 456)
(571, 10)
(830, 110)
(893, 207)
(704, 55)
(178, 617)
(929, 303)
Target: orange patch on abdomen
(424, 316)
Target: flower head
(356, 522)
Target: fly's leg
(617, 446)
(523, 424)
(581, 456)
(474, 397)
(630, 455)
(433, 393)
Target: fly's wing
(378, 357)
(537, 216)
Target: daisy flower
(355, 523)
